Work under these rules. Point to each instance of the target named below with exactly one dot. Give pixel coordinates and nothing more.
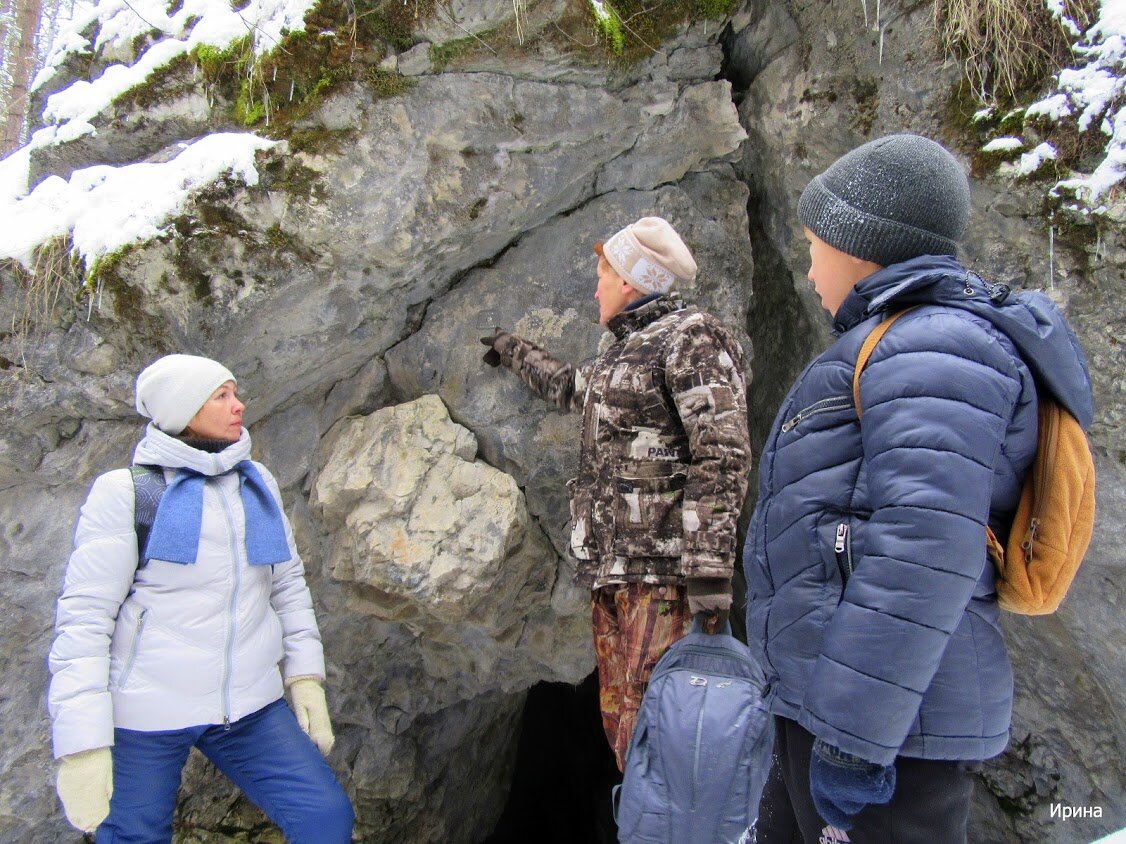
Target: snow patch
(106, 208)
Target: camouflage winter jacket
(665, 454)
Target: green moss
(608, 25)
(445, 54)
(164, 84)
(342, 43)
(630, 30)
(221, 64)
(811, 96)
(277, 238)
(394, 22)
(967, 130)
(191, 276)
(106, 279)
(714, 9)
(385, 84)
(317, 140)
(247, 110)
(105, 268)
(292, 177)
(866, 93)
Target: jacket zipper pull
(1049, 418)
(226, 722)
(1030, 539)
(842, 537)
(787, 426)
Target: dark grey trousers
(931, 801)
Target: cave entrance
(564, 771)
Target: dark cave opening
(564, 771)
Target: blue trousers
(266, 754)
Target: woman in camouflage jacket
(663, 465)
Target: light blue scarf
(175, 530)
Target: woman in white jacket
(186, 644)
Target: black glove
(710, 597)
(495, 341)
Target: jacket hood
(160, 449)
(1034, 324)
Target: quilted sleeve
(937, 396)
(552, 380)
(292, 601)
(98, 577)
(705, 378)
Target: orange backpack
(1053, 522)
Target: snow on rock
(197, 22)
(1003, 145)
(105, 208)
(1094, 94)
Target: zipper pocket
(133, 648)
(696, 744)
(824, 406)
(842, 546)
(1049, 418)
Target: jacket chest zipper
(824, 406)
(228, 651)
(843, 549)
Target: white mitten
(85, 785)
(311, 709)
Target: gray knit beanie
(889, 200)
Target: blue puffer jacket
(870, 599)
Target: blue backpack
(701, 750)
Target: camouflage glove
(85, 785)
(710, 596)
(500, 348)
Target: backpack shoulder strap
(866, 352)
(148, 487)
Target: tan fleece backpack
(1052, 525)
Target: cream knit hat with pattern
(650, 256)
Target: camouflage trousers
(634, 624)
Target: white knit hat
(172, 390)
(650, 256)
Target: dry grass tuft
(55, 274)
(1008, 47)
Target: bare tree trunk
(20, 61)
(6, 21)
(6, 18)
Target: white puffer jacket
(170, 645)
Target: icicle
(864, 6)
(1052, 257)
(291, 90)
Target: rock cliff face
(347, 291)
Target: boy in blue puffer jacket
(871, 600)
